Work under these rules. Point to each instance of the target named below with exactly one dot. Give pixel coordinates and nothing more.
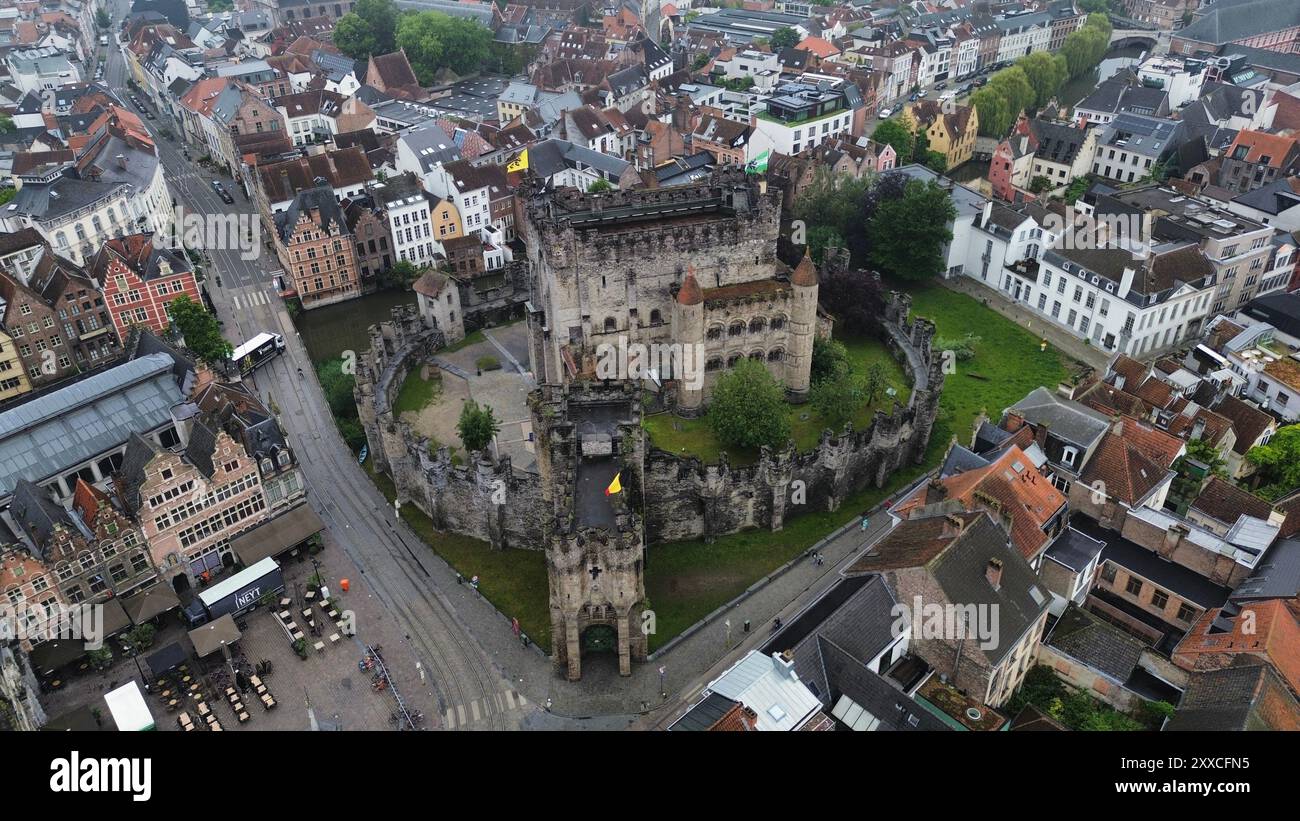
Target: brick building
(139, 281)
(316, 249)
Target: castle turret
(803, 326)
(688, 332)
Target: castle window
(655, 317)
(775, 355)
(778, 322)
(714, 332)
(713, 365)
(736, 329)
(757, 356)
(757, 325)
(610, 324)
(732, 360)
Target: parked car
(885, 113)
(222, 192)
(940, 86)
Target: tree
(400, 275)
(1014, 86)
(102, 20)
(6, 194)
(748, 408)
(784, 37)
(337, 387)
(370, 28)
(599, 187)
(936, 161)
(907, 235)
(829, 359)
(995, 112)
(1077, 188)
(1278, 463)
(200, 329)
(434, 41)
(701, 60)
(1187, 483)
(355, 37)
(477, 425)
(831, 208)
(6, 124)
(839, 398)
(876, 382)
(853, 296)
(896, 134)
(1083, 49)
(1040, 184)
(1046, 74)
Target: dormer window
(1069, 456)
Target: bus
(257, 352)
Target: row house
(1256, 159)
(346, 170)
(315, 248)
(190, 504)
(950, 132)
(1238, 248)
(311, 116)
(802, 115)
(91, 551)
(139, 281)
(480, 194)
(57, 322)
(1065, 21)
(1023, 34)
(408, 208)
(240, 414)
(369, 228)
(897, 65)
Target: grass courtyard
(694, 436)
(687, 580)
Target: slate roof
(1246, 697)
(1181, 581)
(1068, 420)
(38, 515)
(1248, 421)
(1096, 643)
(1276, 576)
(1225, 22)
(708, 712)
(1074, 549)
(319, 200)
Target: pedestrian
(460, 579)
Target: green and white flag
(758, 165)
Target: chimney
(935, 492)
(1173, 537)
(952, 526)
(1277, 517)
(286, 188)
(1040, 435)
(748, 718)
(121, 161)
(993, 572)
(785, 663)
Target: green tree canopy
(784, 37)
(829, 359)
(370, 28)
(838, 398)
(1046, 74)
(907, 235)
(200, 329)
(477, 425)
(897, 135)
(1278, 463)
(434, 41)
(748, 408)
(6, 124)
(995, 112)
(102, 20)
(599, 187)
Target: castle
(691, 268)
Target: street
(406, 575)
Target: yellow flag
(518, 163)
(615, 486)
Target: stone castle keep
(692, 265)
(727, 291)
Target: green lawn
(416, 393)
(694, 436)
(1007, 365)
(514, 581)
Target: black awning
(165, 659)
(51, 655)
(273, 537)
(115, 618)
(146, 604)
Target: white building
(1170, 74)
(1023, 34)
(41, 69)
(800, 116)
(409, 222)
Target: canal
(328, 332)
(1078, 88)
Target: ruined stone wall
(687, 499)
(480, 499)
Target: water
(1078, 88)
(328, 332)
